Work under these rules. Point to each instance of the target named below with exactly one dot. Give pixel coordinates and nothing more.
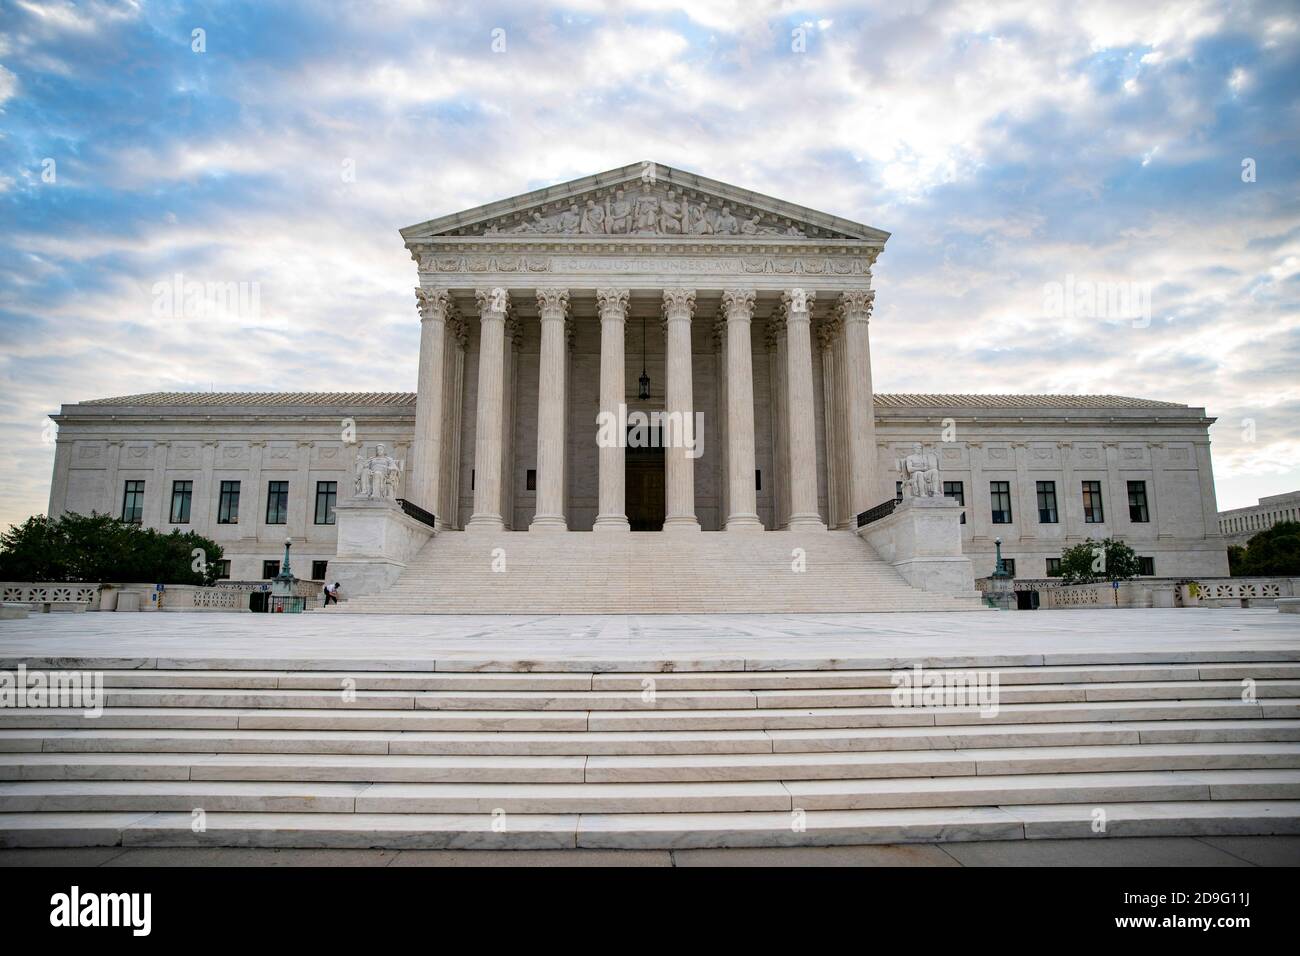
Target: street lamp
(1001, 580)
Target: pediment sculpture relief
(645, 212)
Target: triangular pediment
(644, 200)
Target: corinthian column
(552, 304)
(613, 479)
(800, 403)
(490, 430)
(742, 513)
(855, 309)
(423, 481)
(679, 405)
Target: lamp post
(1001, 581)
(282, 585)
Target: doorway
(647, 502)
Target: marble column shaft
(552, 305)
(800, 404)
(612, 513)
(423, 481)
(679, 404)
(742, 502)
(489, 432)
(855, 310)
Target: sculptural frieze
(649, 211)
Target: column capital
(612, 303)
(738, 305)
(433, 303)
(679, 304)
(855, 305)
(797, 305)
(827, 330)
(553, 303)
(492, 303)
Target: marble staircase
(654, 753)
(594, 573)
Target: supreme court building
(716, 342)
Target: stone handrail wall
(1173, 592)
(54, 594)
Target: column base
(747, 522)
(806, 523)
(681, 523)
(485, 524)
(543, 524)
(611, 523)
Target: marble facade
(539, 313)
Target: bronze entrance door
(647, 502)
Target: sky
(1084, 197)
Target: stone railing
(223, 596)
(74, 596)
(1237, 592)
(1172, 592)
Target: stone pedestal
(922, 540)
(376, 540)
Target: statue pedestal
(376, 539)
(922, 540)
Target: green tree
(1080, 565)
(1275, 551)
(1236, 557)
(106, 550)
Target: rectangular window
(223, 569)
(1000, 496)
(277, 502)
(1092, 513)
(530, 479)
(955, 491)
(1047, 503)
(133, 502)
(1010, 565)
(1147, 567)
(1137, 502)
(327, 494)
(270, 569)
(1053, 567)
(318, 570)
(898, 491)
(228, 505)
(182, 491)
(758, 480)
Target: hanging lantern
(644, 380)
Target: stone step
(653, 699)
(741, 680)
(702, 680)
(93, 739)
(698, 660)
(365, 719)
(1010, 760)
(645, 768)
(701, 797)
(650, 830)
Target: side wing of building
(246, 471)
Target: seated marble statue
(921, 474)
